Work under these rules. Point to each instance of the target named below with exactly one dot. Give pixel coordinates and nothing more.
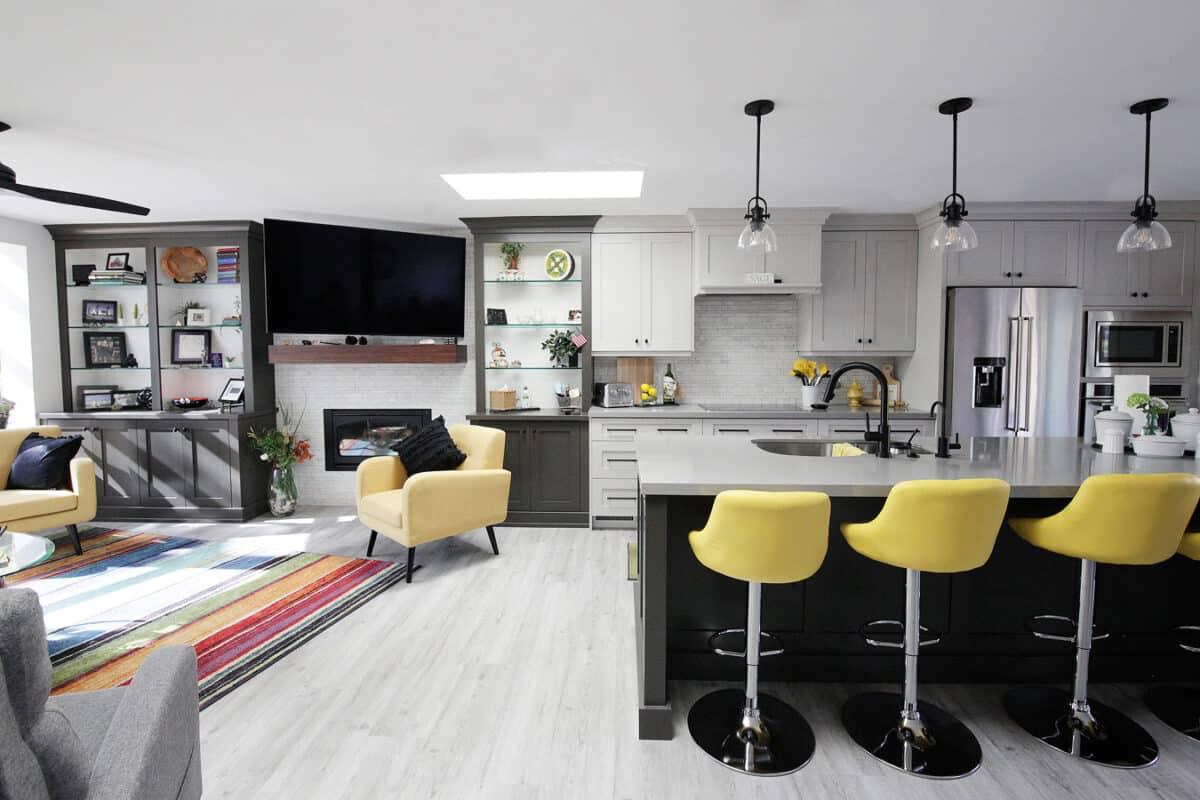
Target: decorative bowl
(189, 403)
(1159, 446)
(1187, 426)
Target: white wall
(29, 355)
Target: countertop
(747, 411)
(1041, 467)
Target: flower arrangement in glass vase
(810, 374)
(1151, 406)
(283, 448)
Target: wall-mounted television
(333, 279)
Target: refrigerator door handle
(1027, 363)
(1011, 387)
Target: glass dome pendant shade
(758, 236)
(1145, 234)
(954, 234)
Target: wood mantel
(367, 354)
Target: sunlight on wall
(16, 347)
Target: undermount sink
(823, 448)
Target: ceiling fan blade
(75, 199)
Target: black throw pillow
(429, 449)
(43, 462)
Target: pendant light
(757, 235)
(1145, 233)
(955, 233)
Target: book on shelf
(116, 277)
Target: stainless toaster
(613, 395)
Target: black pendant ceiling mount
(955, 233)
(8, 183)
(1145, 233)
(758, 235)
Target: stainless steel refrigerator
(1013, 361)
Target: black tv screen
(331, 279)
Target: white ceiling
(352, 109)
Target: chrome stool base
(716, 724)
(1177, 706)
(873, 721)
(1046, 713)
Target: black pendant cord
(756, 206)
(1146, 173)
(758, 151)
(954, 161)
(954, 206)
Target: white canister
(1112, 420)
(1113, 441)
(1187, 426)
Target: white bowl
(1187, 427)
(1159, 446)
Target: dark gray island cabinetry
(171, 465)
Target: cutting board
(636, 370)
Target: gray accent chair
(136, 742)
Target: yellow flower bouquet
(809, 372)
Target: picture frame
(197, 316)
(83, 393)
(98, 401)
(127, 398)
(117, 261)
(104, 349)
(575, 315)
(216, 360)
(234, 392)
(103, 312)
(81, 274)
(190, 346)
(497, 316)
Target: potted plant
(810, 374)
(1152, 407)
(511, 253)
(562, 350)
(283, 448)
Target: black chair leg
(371, 543)
(412, 552)
(74, 531)
(492, 536)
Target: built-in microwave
(1137, 342)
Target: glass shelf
(212, 326)
(104, 327)
(105, 286)
(555, 369)
(200, 285)
(201, 366)
(535, 282)
(537, 325)
(109, 369)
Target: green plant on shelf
(561, 349)
(511, 253)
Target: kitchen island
(980, 615)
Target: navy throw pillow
(429, 449)
(43, 462)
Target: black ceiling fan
(8, 183)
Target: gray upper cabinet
(868, 297)
(1162, 279)
(1025, 253)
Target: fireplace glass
(354, 434)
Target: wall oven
(1154, 343)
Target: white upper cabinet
(642, 293)
(721, 268)
(868, 299)
(1162, 278)
(1032, 253)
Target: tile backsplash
(745, 346)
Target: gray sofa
(137, 742)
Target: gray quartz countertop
(745, 411)
(1041, 467)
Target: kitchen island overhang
(981, 615)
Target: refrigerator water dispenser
(989, 382)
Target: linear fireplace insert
(354, 434)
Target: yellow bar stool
(758, 537)
(1113, 519)
(1179, 706)
(925, 526)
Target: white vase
(808, 396)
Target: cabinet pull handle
(629, 499)
(622, 430)
(622, 460)
(672, 430)
(733, 430)
(788, 430)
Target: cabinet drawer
(760, 428)
(614, 497)
(631, 431)
(613, 460)
(854, 427)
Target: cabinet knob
(1145, 294)
(1008, 274)
(647, 341)
(860, 341)
(1020, 274)
(637, 341)
(870, 341)
(1133, 294)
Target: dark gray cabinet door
(168, 464)
(212, 485)
(516, 461)
(556, 460)
(113, 449)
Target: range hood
(719, 267)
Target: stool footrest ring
(1032, 622)
(775, 641)
(869, 636)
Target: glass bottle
(669, 387)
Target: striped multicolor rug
(242, 610)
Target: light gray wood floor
(513, 677)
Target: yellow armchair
(428, 506)
(31, 510)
